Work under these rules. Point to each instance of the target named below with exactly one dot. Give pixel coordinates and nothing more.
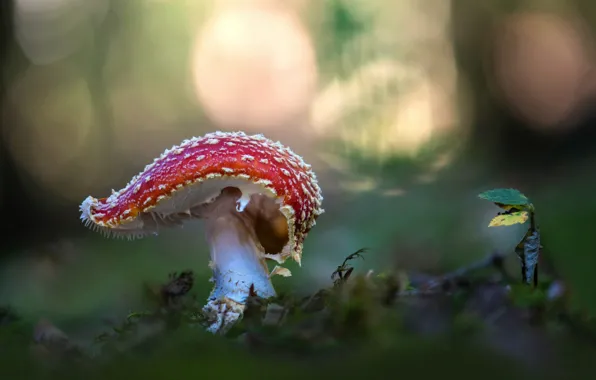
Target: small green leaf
(508, 197)
(519, 217)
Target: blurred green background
(406, 109)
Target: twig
(448, 280)
(343, 271)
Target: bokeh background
(406, 109)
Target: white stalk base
(238, 265)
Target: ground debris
(479, 301)
(50, 345)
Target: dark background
(523, 92)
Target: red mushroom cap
(205, 165)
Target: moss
(356, 327)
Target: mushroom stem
(237, 264)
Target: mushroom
(258, 199)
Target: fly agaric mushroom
(258, 198)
